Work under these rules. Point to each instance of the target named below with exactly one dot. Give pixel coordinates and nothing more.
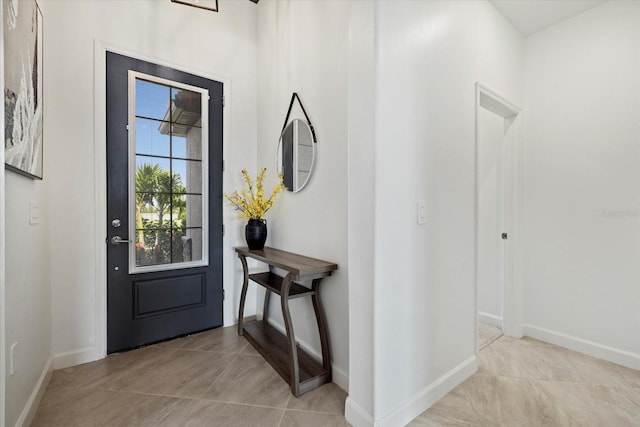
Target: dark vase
(256, 233)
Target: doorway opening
(497, 193)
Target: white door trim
(100, 179)
(512, 321)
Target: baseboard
(425, 398)
(74, 357)
(419, 403)
(356, 415)
(340, 378)
(615, 355)
(31, 407)
(490, 319)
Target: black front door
(164, 203)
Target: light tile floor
(216, 379)
(524, 382)
(487, 334)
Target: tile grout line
(219, 401)
(220, 375)
(491, 342)
(494, 374)
(282, 417)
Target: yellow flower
(251, 203)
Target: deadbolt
(116, 223)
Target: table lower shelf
(273, 346)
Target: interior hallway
(524, 382)
(216, 378)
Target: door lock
(116, 240)
(116, 223)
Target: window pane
(179, 146)
(152, 99)
(187, 211)
(158, 164)
(186, 107)
(187, 245)
(151, 137)
(153, 247)
(188, 174)
(179, 211)
(189, 146)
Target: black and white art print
(23, 87)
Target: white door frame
(512, 320)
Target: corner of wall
(425, 398)
(429, 395)
(31, 407)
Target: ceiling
(529, 16)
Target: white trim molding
(31, 407)
(490, 319)
(590, 348)
(420, 402)
(356, 414)
(75, 357)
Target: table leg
(265, 310)
(243, 294)
(293, 351)
(322, 328)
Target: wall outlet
(12, 359)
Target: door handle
(116, 240)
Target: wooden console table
(301, 371)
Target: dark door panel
(149, 306)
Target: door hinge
(127, 126)
(504, 236)
(223, 229)
(223, 166)
(223, 296)
(223, 100)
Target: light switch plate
(34, 212)
(12, 359)
(421, 212)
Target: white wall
(303, 48)
(582, 191)
(217, 45)
(3, 261)
(429, 57)
(28, 290)
(25, 294)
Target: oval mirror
(296, 154)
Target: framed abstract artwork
(23, 73)
(202, 4)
